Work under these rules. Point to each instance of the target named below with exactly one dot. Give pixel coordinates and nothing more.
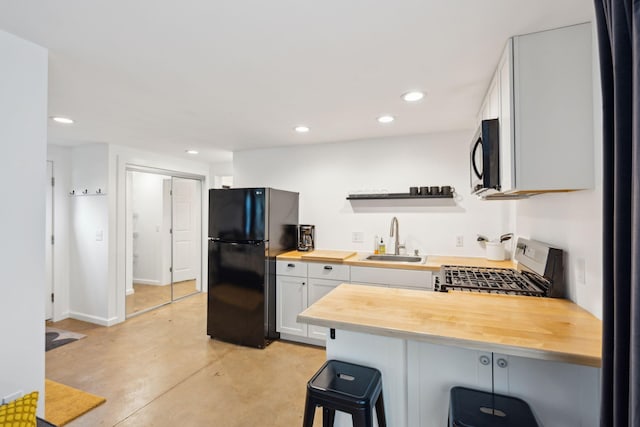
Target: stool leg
(328, 417)
(362, 418)
(382, 421)
(309, 412)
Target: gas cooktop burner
(540, 273)
(493, 280)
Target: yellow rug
(64, 404)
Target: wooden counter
(433, 262)
(538, 328)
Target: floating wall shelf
(390, 196)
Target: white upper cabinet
(542, 94)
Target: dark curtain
(618, 42)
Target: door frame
(123, 258)
(49, 242)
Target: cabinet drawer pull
(328, 267)
(291, 265)
(502, 363)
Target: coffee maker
(306, 237)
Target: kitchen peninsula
(544, 350)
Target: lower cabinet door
(291, 300)
(560, 394)
(317, 289)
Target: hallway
(161, 369)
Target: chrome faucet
(395, 233)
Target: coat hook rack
(86, 192)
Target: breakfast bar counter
(540, 328)
(546, 351)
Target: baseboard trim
(147, 282)
(93, 319)
(130, 291)
(303, 340)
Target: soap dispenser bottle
(382, 249)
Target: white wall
(61, 158)
(221, 174)
(95, 284)
(88, 291)
(324, 174)
(23, 135)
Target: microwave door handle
(473, 157)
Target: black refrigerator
(248, 228)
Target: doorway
(164, 239)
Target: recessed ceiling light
(191, 151)
(63, 120)
(301, 129)
(386, 119)
(413, 96)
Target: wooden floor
(161, 369)
(149, 296)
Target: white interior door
(186, 227)
(48, 295)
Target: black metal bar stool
(342, 386)
(473, 408)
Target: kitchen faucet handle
(402, 248)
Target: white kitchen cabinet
(317, 289)
(291, 268)
(291, 299)
(544, 103)
(393, 277)
(298, 285)
(560, 394)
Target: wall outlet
(11, 397)
(357, 237)
(99, 235)
(459, 241)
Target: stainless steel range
(540, 272)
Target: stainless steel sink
(395, 258)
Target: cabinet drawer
(291, 268)
(391, 276)
(329, 271)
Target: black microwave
(485, 159)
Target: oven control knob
(485, 360)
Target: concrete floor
(161, 369)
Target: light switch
(99, 236)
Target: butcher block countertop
(432, 262)
(538, 328)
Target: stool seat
(474, 408)
(346, 387)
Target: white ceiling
(221, 76)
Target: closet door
(148, 246)
(186, 235)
